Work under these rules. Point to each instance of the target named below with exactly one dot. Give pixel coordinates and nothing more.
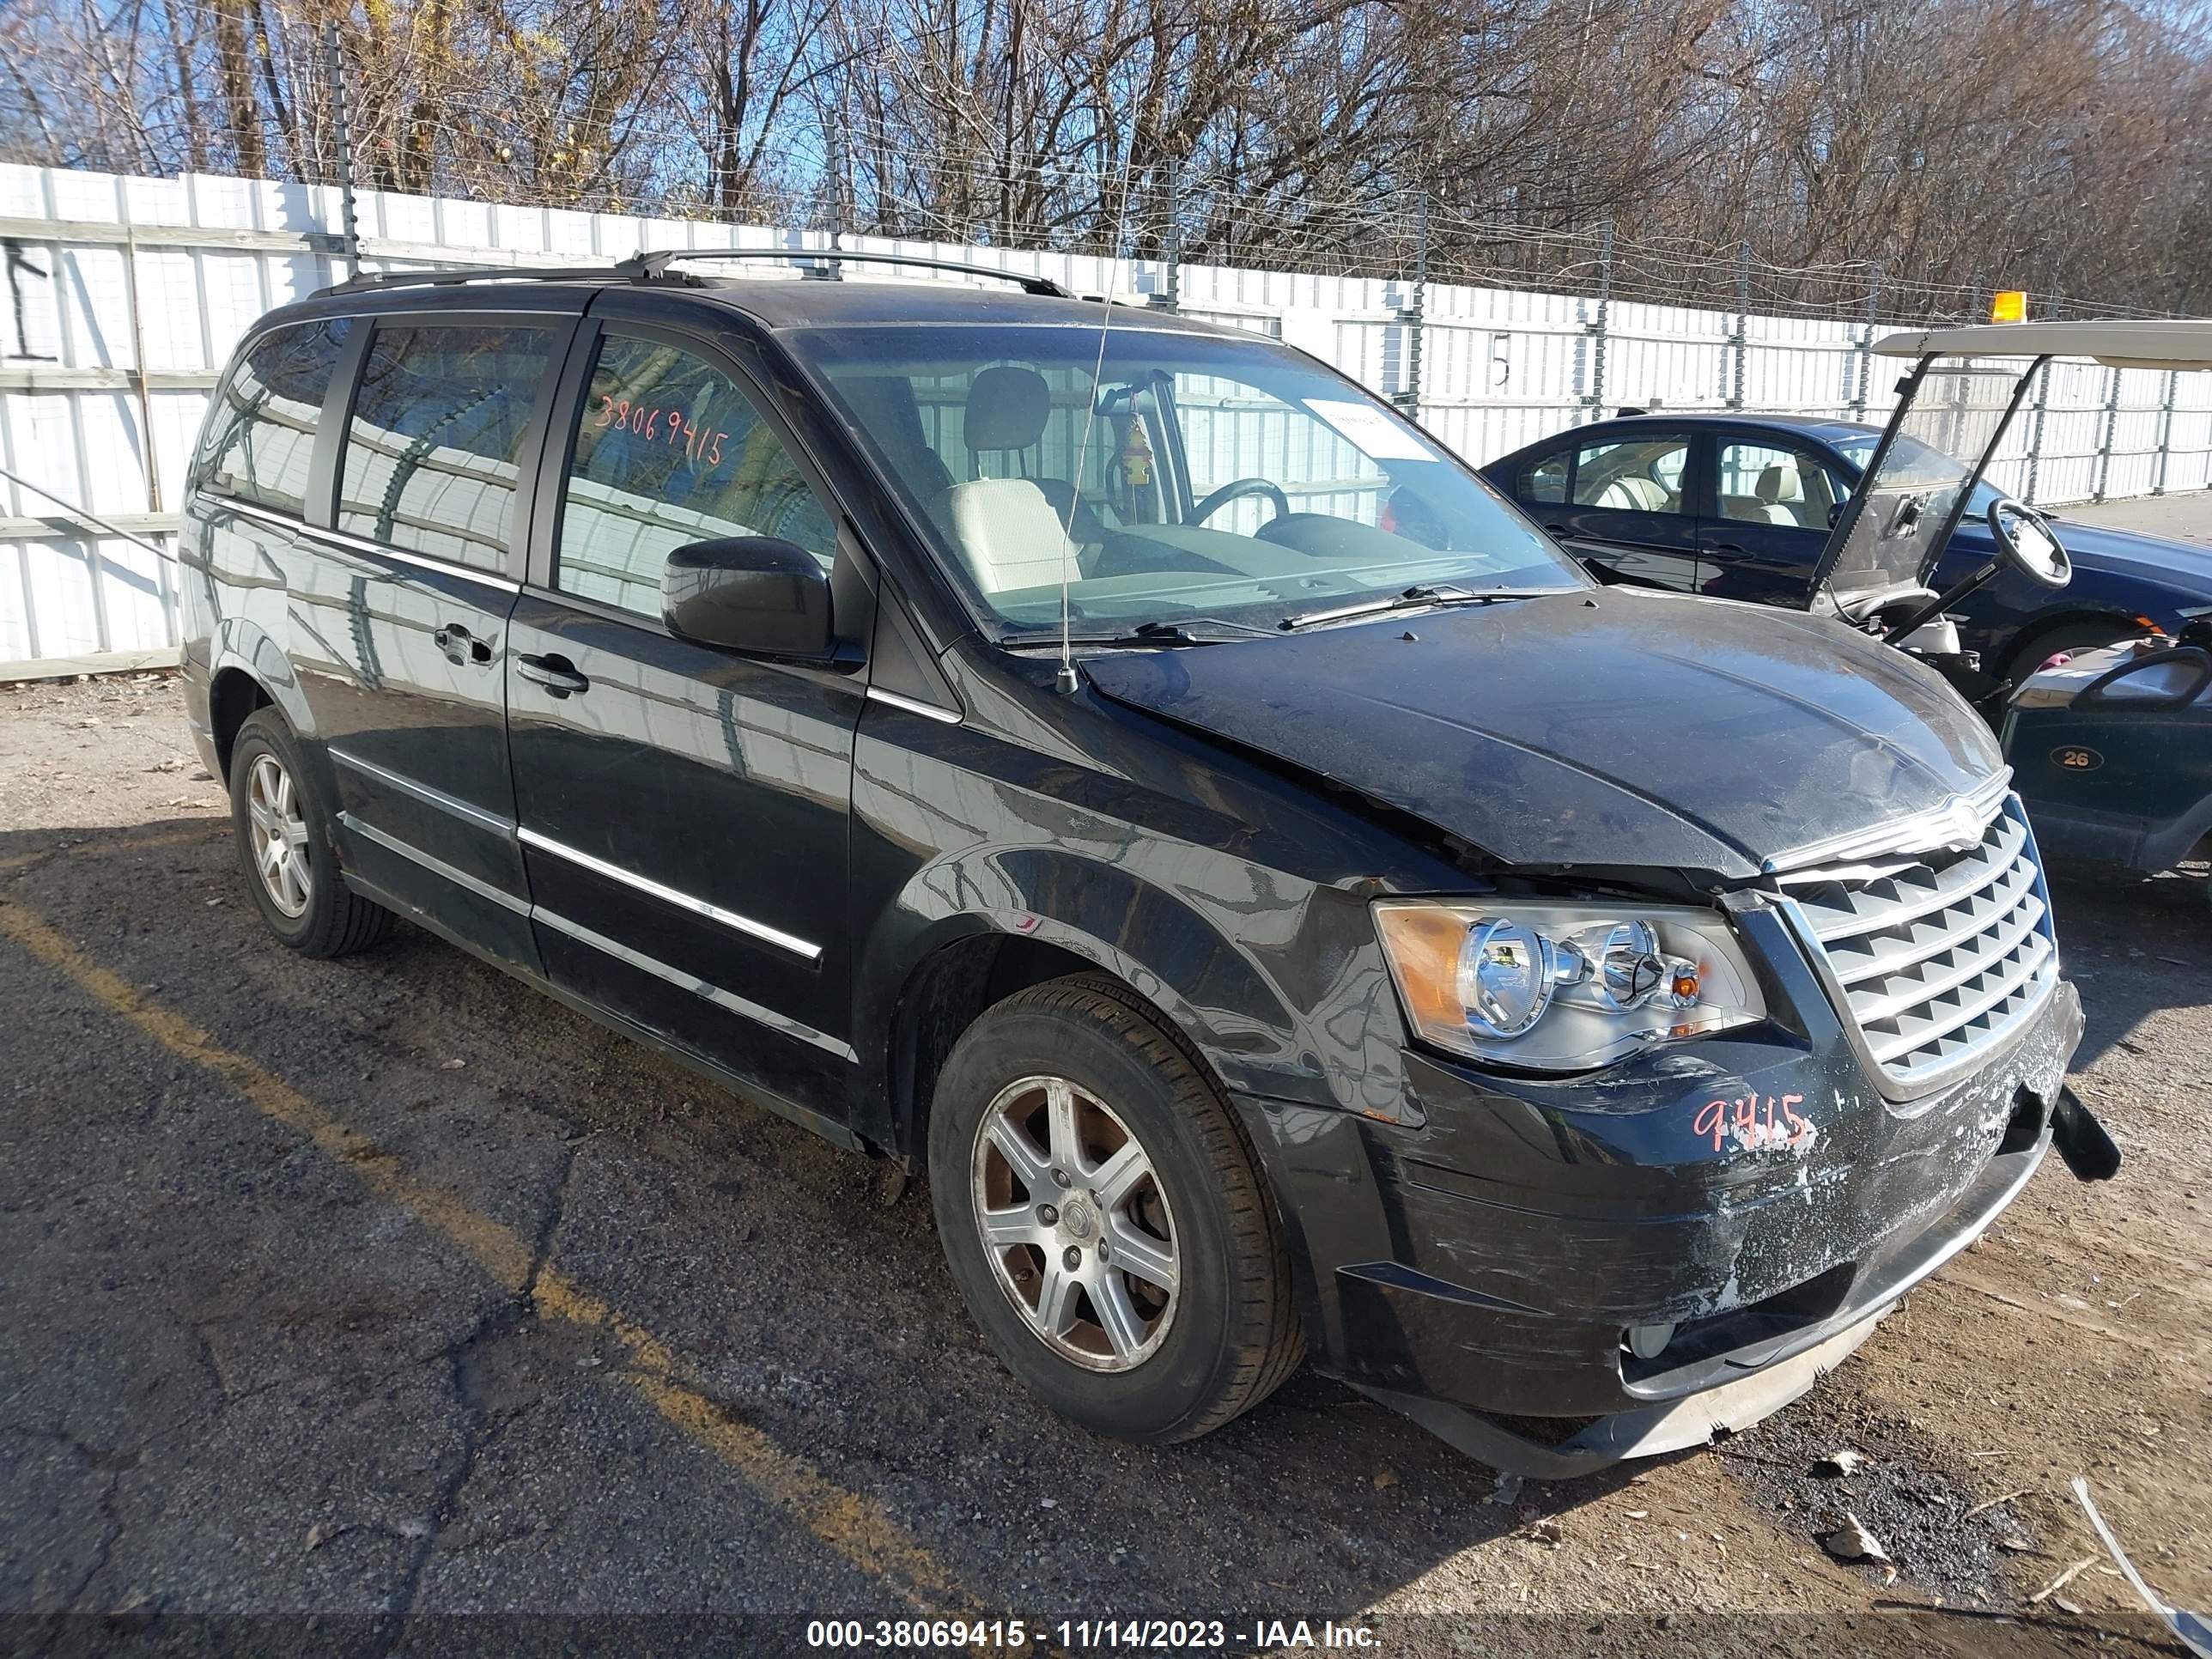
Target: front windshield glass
(1224, 480)
(1910, 459)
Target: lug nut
(1046, 1214)
(1060, 1176)
(1074, 1259)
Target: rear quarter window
(259, 441)
(1545, 482)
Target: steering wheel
(1236, 489)
(2026, 544)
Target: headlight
(1562, 987)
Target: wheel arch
(249, 671)
(2074, 613)
(233, 695)
(916, 996)
(948, 990)
(970, 970)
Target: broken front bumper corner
(1649, 1431)
(1770, 1375)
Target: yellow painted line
(854, 1527)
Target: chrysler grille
(1942, 954)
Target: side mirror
(753, 593)
(1836, 513)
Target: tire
(330, 920)
(1229, 1334)
(2031, 653)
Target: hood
(1617, 728)
(2147, 558)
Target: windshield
(1910, 458)
(1223, 479)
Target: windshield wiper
(1414, 599)
(1153, 633)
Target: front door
(1772, 503)
(1631, 511)
(399, 623)
(683, 808)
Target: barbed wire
(918, 181)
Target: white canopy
(2169, 343)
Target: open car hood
(1623, 728)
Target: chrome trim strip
(255, 510)
(928, 711)
(730, 919)
(351, 543)
(698, 987)
(424, 793)
(437, 866)
(1961, 817)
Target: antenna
(1065, 681)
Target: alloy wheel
(1075, 1222)
(279, 833)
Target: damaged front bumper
(1489, 1258)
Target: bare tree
(2061, 145)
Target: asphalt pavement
(383, 1305)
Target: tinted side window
(669, 452)
(260, 437)
(435, 447)
(1760, 483)
(1544, 482)
(1642, 475)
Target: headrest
(1780, 484)
(1006, 409)
(1008, 534)
(1632, 493)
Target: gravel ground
(385, 1291)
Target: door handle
(1556, 530)
(461, 645)
(555, 674)
(1723, 547)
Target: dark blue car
(1739, 507)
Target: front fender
(1277, 982)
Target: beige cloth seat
(1632, 493)
(1008, 534)
(1781, 489)
(1779, 500)
(1008, 409)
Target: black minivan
(1121, 766)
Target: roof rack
(458, 275)
(644, 266)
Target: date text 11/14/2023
(1132, 1635)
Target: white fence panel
(2189, 441)
(127, 294)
